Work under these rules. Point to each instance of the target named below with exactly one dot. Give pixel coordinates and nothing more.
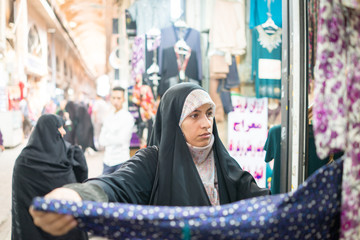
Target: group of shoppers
(185, 164)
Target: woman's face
(62, 131)
(197, 126)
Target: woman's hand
(53, 223)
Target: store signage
(247, 133)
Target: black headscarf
(41, 166)
(177, 181)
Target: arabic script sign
(247, 133)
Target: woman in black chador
(44, 164)
(70, 136)
(186, 164)
(84, 130)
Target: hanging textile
(313, 11)
(337, 101)
(259, 10)
(273, 152)
(150, 14)
(172, 34)
(138, 57)
(311, 212)
(182, 60)
(266, 62)
(170, 73)
(227, 32)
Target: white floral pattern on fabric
(269, 41)
(337, 102)
(311, 212)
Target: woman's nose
(206, 121)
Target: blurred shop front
(39, 63)
(10, 89)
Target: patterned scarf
(204, 161)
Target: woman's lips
(205, 135)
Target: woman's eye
(210, 114)
(194, 115)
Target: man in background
(116, 133)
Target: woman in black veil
(84, 130)
(71, 109)
(44, 164)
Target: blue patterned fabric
(311, 212)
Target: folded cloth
(310, 212)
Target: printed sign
(247, 133)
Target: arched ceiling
(87, 21)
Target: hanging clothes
(232, 79)
(227, 32)
(337, 100)
(152, 43)
(313, 11)
(259, 10)
(273, 152)
(170, 71)
(138, 57)
(266, 62)
(182, 60)
(172, 34)
(150, 14)
(311, 212)
(144, 55)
